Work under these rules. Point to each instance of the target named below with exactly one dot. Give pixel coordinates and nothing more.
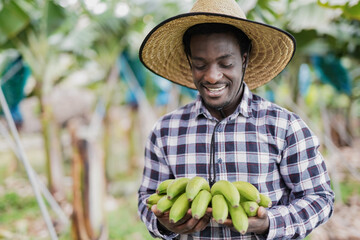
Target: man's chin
(215, 106)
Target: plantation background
(83, 105)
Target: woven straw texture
(163, 52)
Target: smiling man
(217, 54)
(229, 133)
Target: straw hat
(162, 51)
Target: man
(228, 133)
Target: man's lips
(215, 90)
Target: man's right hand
(186, 225)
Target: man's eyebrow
(218, 58)
(197, 58)
(224, 56)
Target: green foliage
(124, 223)
(349, 189)
(352, 12)
(13, 19)
(14, 207)
(349, 11)
(56, 15)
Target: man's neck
(229, 109)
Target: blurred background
(77, 106)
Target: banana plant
(120, 28)
(30, 27)
(46, 38)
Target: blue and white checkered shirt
(260, 143)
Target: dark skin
(217, 67)
(186, 225)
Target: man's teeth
(216, 89)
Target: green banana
(195, 185)
(250, 208)
(162, 187)
(154, 198)
(220, 209)
(229, 191)
(164, 204)
(248, 191)
(200, 204)
(265, 201)
(239, 218)
(177, 187)
(179, 208)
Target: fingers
(198, 225)
(187, 224)
(227, 222)
(209, 210)
(260, 223)
(202, 224)
(262, 213)
(156, 211)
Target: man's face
(217, 69)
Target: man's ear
(245, 60)
(188, 58)
(246, 57)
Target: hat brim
(162, 50)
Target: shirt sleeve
(304, 172)
(155, 171)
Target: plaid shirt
(260, 143)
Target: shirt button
(219, 161)
(220, 128)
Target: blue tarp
(13, 81)
(330, 70)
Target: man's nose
(213, 75)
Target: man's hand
(186, 225)
(259, 224)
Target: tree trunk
(53, 154)
(88, 173)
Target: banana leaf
(55, 17)
(351, 11)
(13, 19)
(330, 70)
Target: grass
(122, 222)
(348, 189)
(14, 207)
(20, 216)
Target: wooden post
(88, 173)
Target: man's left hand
(259, 224)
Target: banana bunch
(238, 199)
(181, 194)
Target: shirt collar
(244, 108)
